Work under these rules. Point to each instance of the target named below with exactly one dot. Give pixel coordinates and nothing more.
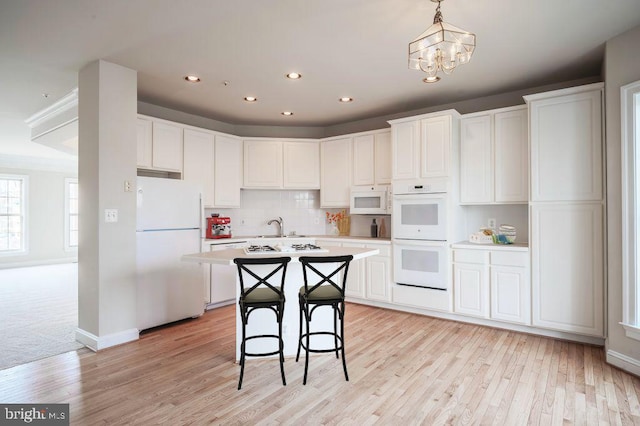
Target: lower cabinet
(369, 278)
(492, 284)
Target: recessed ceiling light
(250, 98)
(192, 78)
(294, 75)
(346, 99)
(287, 113)
(433, 79)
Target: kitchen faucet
(280, 223)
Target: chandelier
(442, 47)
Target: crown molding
(66, 103)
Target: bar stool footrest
(324, 333)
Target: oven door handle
(420, 243)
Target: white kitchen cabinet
(492, 284)
(301, 164)
(335, 175)
(167, 147)
(511, 156)
(567, 267)
(566, 144)
(471, 283)
(405, 149)
(510, 287)
(262, 164)
(383, 158)
(476, 162)
(199, 162)
(364, 160)
(372, 159)
(378, 274)
(494, 160)
(421, 146)
(435, 146)
(144, 143)
(227, 171)
(356, 276)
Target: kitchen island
(263, 321)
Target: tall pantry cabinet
(566, 209)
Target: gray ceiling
(354, 48)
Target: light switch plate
(110, 215)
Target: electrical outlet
(491, 223)
(110, 215)
(316, 220)
(127, 186)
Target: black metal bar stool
(266, 291)
(323, 288)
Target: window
(13, 222)
(630, 109)
(71, 214)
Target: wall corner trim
(96, 343)
(624, 362)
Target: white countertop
(225, 257)
(491, 246)
(294, 240)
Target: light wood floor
(403, 369)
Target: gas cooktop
(297, 248)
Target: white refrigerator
(169, 225)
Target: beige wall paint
(621, 67)
(45, 219)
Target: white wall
(45, 219)
(621, 67)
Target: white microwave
(373, 199)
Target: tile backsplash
(300, 211)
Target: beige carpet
(38, 313)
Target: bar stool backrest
(262, 272)
(315, 275)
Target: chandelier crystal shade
(442, 47)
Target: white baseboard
(623, 362)
(96, 343)
(28, 263)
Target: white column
(107, 107)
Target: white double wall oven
(420, 234)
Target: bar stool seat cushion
(262, 295)
(324, 292)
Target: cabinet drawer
(509, 258)
(471, 256)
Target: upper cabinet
(335, 174)
(199, 162)
(275, 164)
(301, 165)
(421, 146)
(566, 144)
(262, 164)
(159, 145)
(494, 160)
(372, 158)
(227, 171)
(145, 144)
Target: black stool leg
(335, 326)
(300, 328)
(306, 349)
(281, 343)
(242, 347)
(344, 361)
